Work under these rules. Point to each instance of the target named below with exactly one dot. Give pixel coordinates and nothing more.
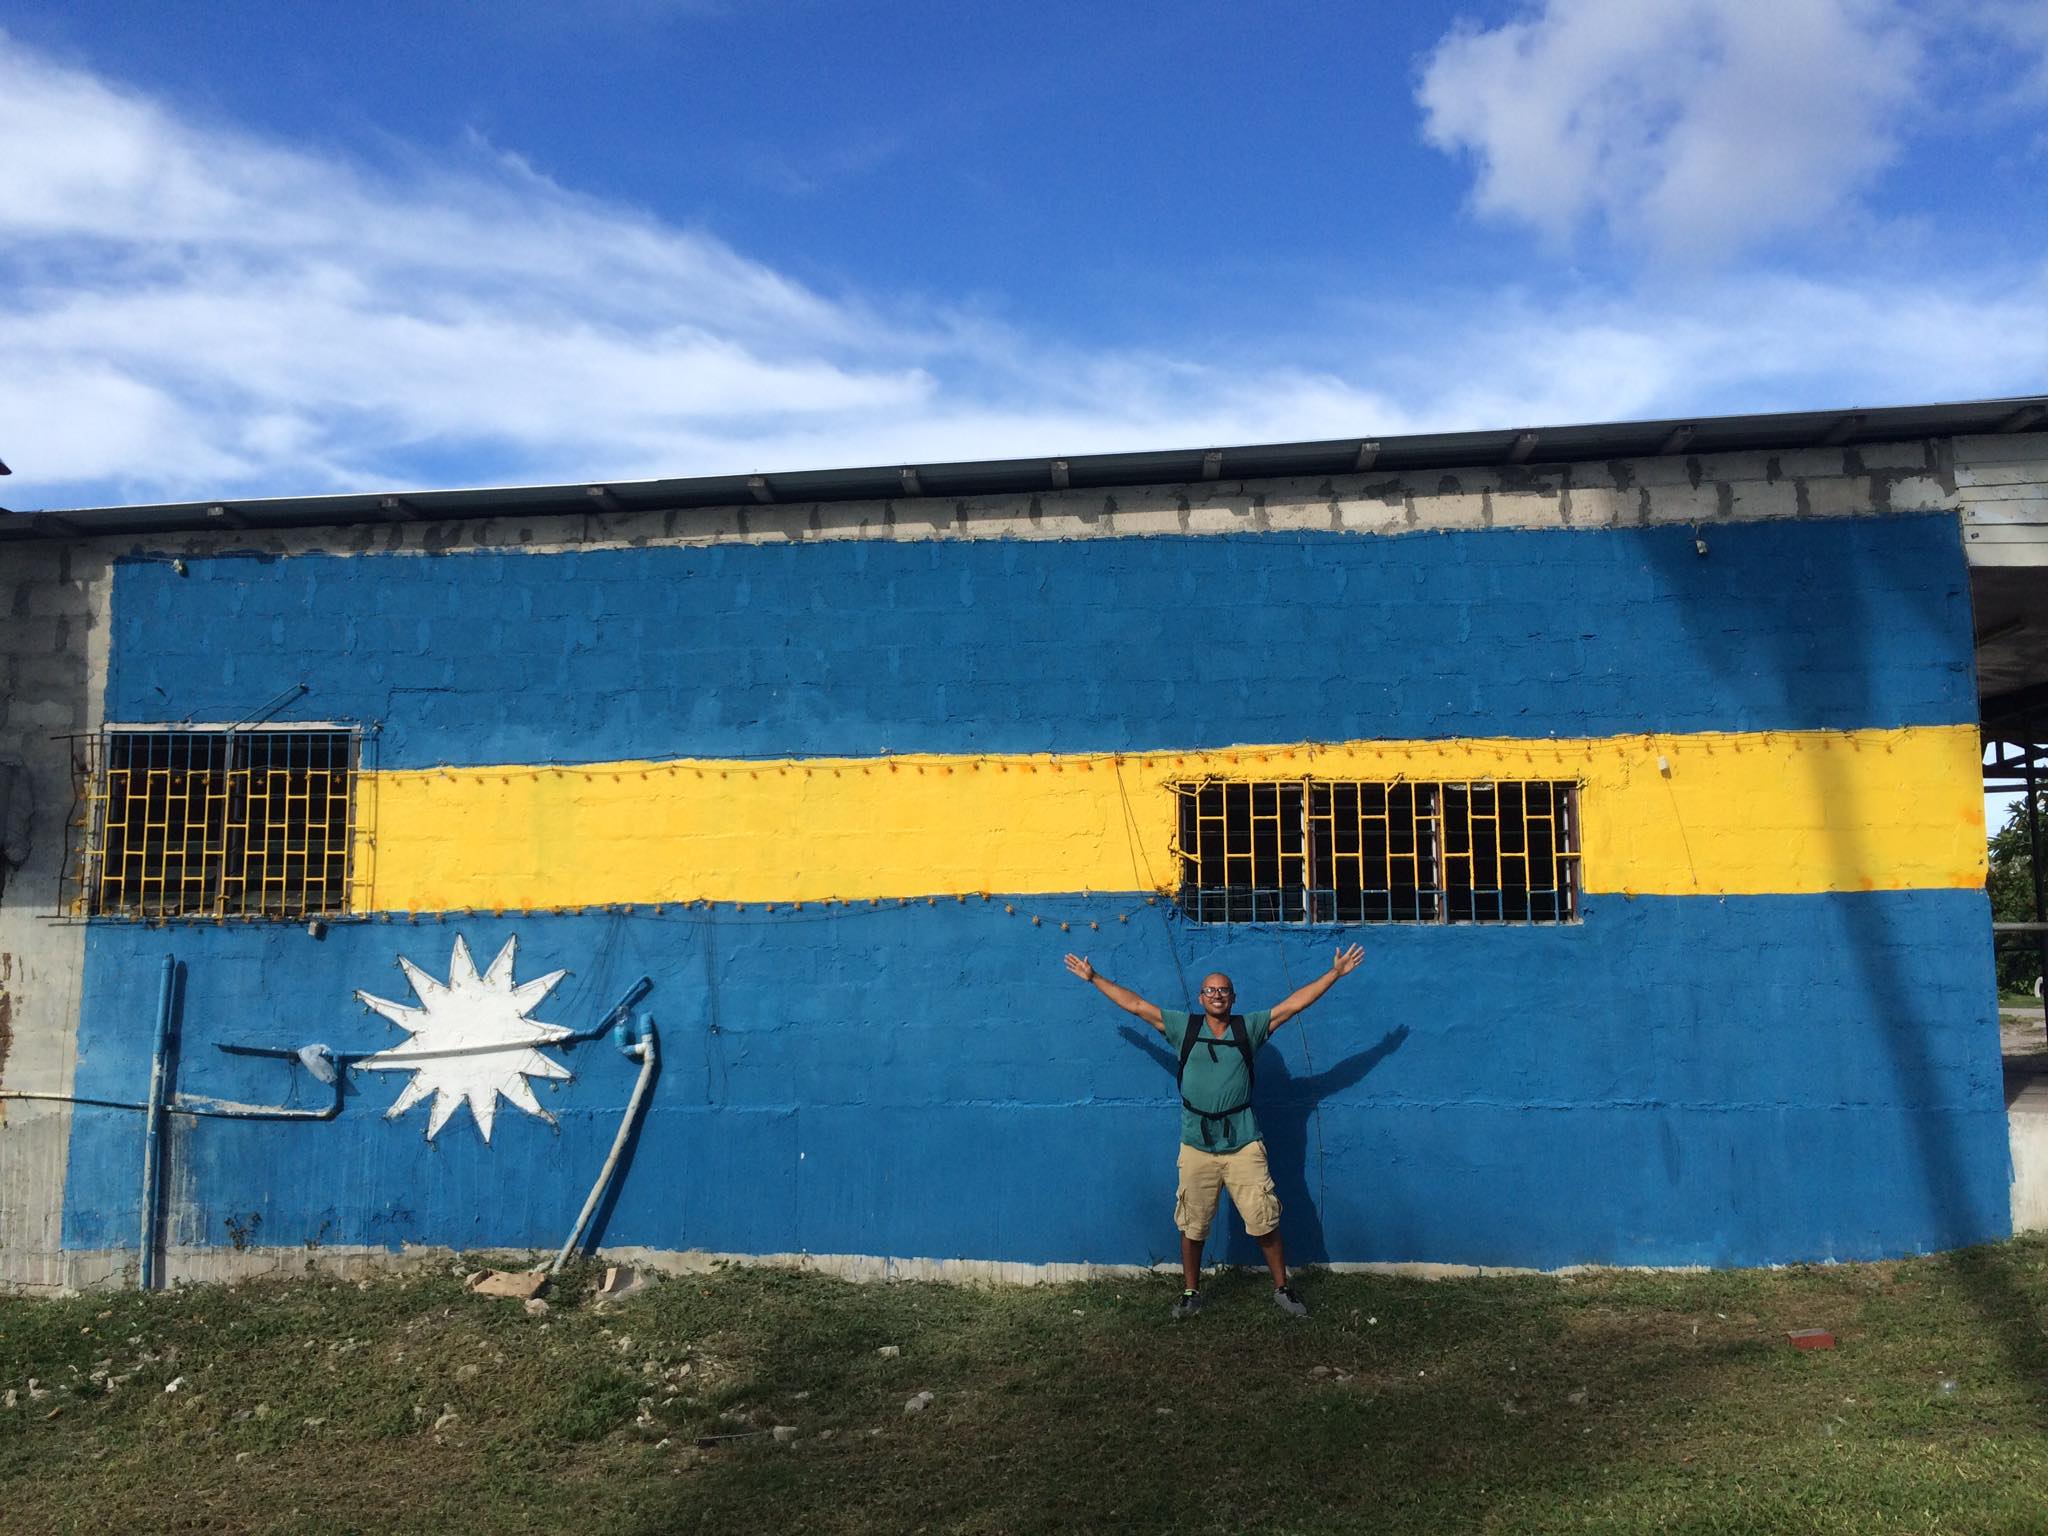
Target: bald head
(1217, 995)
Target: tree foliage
(2011, 884)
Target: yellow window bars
(212, 823)
(1323, 851)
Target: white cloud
(1696, 128)
(189, 311)
(189, 304)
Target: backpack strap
(1240, 1038)
(1243, 1040)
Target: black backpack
(1239, 1037)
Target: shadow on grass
(1953, 1188)
(1470, 1402)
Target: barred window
(1324, 851)
(189, 822)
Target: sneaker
(1285, 1299)
(1189, 1304)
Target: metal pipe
(191, 1105)
(617, 1015)
(648, 1055)
(69, 1098)
(152, 1128)
(203, 1107)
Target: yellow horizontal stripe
(1735, 814)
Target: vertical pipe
(152, 1172)
(649, 1055)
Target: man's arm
(1345, 963)
(1123, 997)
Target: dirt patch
(6, 1030)
(2022, 1040)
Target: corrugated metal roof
(1526, 446)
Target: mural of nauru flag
(847, 803)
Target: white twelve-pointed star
(471, 1039)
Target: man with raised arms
(1220, 1145)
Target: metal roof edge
(1517, 447)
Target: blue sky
(270, 249)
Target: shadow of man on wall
(1286, 1108)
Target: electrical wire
(1139, 860)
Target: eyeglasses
(1218, 992)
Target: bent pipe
(152, 1129)
(649, 1053)
(203, 1106)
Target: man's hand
(1347, 961)
(1123, 997)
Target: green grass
(1611, 1402)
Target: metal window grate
(1324, 851)
(212, 823)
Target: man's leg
(1251, 1188)
(1276, 1261)
(1199, 1186)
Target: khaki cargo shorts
(1205, 1175)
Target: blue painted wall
(1674, 1081)
(1112, 644)
(1687, 1080)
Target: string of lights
(826, 909)
(944, 764)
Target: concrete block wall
(53, 609)
(1696, 1072)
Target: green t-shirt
(1216, 1078)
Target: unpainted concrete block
(1754, 499)
(1812, 464)
(1909, 455)
(1456, 509)
(784, 525)
(828, 522)
(1838, 497)
(703, 525)
(1060, 525)
(1229, 515)
(1528, 510)
(1736, 466)
(518, 1284)
(1922, 493)
(1666, 470)
(1299, 516)
(1146, 520)
(1602, 507)
(1373, 515)
(1685, 504)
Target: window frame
(1397, 822)
(237, 822)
